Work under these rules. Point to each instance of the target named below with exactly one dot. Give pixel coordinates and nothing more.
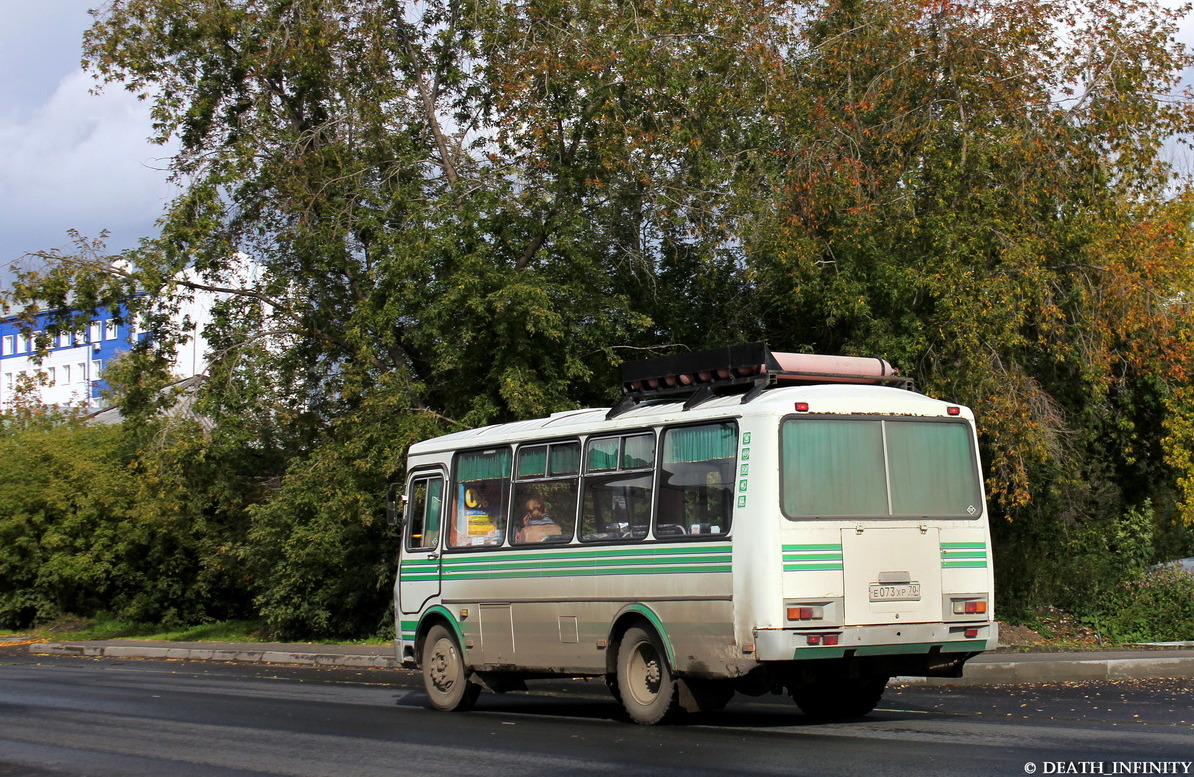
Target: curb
(238, 654)
(1063, 670)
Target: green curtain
(690, 444)
(603, 454)
(832, 468)
(932, 469)
(487, 465)
(565, 459)
(532, 462)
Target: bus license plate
(895, 592)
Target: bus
(743, 521)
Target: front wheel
(645, 683)
(444, 674)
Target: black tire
(444, 673)
(837, 699)
(645, 683)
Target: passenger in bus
(536, 525)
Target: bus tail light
(969, 606)
(953, 410)
(823, 639)
(805, 613)
(802, 407)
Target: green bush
(1156, 606)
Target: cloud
(79, 161)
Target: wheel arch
(438, 615)
(634, 615)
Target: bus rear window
(878, 468)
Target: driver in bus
(536, 525)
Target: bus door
(419, 562)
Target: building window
(51, 376)
(8, 381)
(97, 368)
(66, 374)
(64, 340)
(10, 345)
(23, 344)
(110, 329)
(93, 332)
(82, 374)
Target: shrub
(1156, 606)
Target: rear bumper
(863, 641)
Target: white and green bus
(743, 521)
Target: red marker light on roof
(802, 407)
(953, 410)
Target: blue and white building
(71, 374)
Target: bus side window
(697, 486)
(545, 493)
(619, 476)
(481, 489)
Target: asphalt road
(127, 718)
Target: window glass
(638, 452)
(616, 507)
(480, 501)
(603, 454)
(833, 468)
(545, 511)
(543, 507)
(878, 468)
(532, 462)
(565, 458)
(10, 342)
(932, 469)
(423, 513)
(696, 491)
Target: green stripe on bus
(963, 565)
(919, 647)
(799, 548)
(973, 545)
(500, 564)
(616, 553)
(812, 557)
(812, 567)
(509, 574)
(890, 650)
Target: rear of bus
(885, 558)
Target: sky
(70, 159)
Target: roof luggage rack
(750, 368)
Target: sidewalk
(987, 669)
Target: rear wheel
(834, 699)
(645, 683)
(444, 674)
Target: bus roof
(832, 399)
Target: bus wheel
(645, 683)
(828, 700)
(444, 674)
